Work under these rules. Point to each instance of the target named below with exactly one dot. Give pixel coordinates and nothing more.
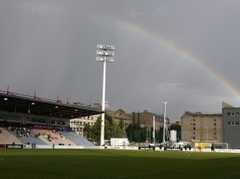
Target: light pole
(164, 119)
(153, 133)
(105, 53)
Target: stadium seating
(30, 138)
(7, 138)
(54, 137)
(21, 135)
(77, 139)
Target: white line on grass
(138, 174)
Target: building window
(194, 128)
(232, 123)
(215, 124)
(233, 113)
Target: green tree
(136, 133)
(87, 131)
(95, 131)
(121, 124)
(111, 130)
(159, 135)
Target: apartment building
(201, 127)
(146, 118)
(120, 115)
(77, 124)
(231, 127)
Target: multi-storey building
(201, 127)
(120, 115)
(146, 118)
(78, 124)
(231, 127)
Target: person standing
(212, 148)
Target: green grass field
(116, 164)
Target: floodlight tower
(164, 119)
(153, 133)
(105, 53)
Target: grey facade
(231, 127)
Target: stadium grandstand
(31, 121)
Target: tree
(111, 130)
(136, 133)
(159, 135)
(95, 131)
(121, 124)
(87, 130)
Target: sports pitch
(116, 164)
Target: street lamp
(105, 53)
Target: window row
(233, 113)
(80, 123)
(78, 129)
(193, 124)
(194, 128)
(233, 123)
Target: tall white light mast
(154, 119)
(164, 120)
(105, 53)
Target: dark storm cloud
(49, 46)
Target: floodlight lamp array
(105, 53)
(105, 47)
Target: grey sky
(49, 46)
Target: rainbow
(227, 84)
(230, 87)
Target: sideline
(138, 174)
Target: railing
(35, 97)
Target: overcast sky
(185, 52)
